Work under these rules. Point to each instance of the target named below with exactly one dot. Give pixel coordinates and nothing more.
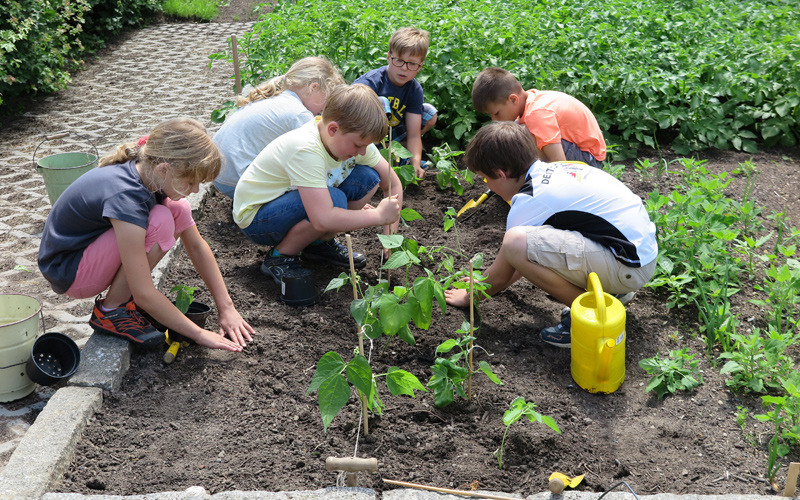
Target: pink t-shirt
(551, 116)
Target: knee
(338, 197)
(515, 244)
(162, 221)
(430, 123)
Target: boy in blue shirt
(411, 116)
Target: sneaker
(333, 252)
(126, 322)
(558, 335)
(625, 298)
(276, 267)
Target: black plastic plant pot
(54, 357)
(298, 289)
(198, 313)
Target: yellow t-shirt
(295, 159)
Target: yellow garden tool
(559, 481)
(474, 203)
(172, 351)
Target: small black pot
(298, 288)
(198, 313)
(54, 357)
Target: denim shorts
(274, 219)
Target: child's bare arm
(326, 218)
(231, 323)
(414, 141)
(553, 152)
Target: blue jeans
(274, 219)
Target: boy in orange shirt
(562, 126)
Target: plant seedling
(184, 298)
(450, 374)
(520, 408)
(678, 372)
(333, 378)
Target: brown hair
(182, 143)
(356, 108)
(504, 146)
(493, 86)
(301, 74)
(413, 41)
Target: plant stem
(359, 331)
(471, 328)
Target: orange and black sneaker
(126, 322)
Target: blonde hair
(301, 74)
(183, 143)
(506, 146)
(356, 108)
(493, 86)
(409, 40)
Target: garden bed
(243, 421)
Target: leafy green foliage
(184, 298)
(651, 72)
(451, 373)
(333, 379)
(678, 372)
(785, 417)
(517, 409)
(757, 363)
(41, 41)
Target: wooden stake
(359, 332)
(791, 479)
(391, 169)
(475, 494)
(237, 76)
(350, 466)
(471, 329)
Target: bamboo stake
(391, 169)
(466, 493)
(471, 329)
(359, 332)
(237, 76)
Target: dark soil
(244, 421)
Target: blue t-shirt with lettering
(402, 100)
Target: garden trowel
(474, 203)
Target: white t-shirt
(296, 159)
(251, 128)
(577, 197)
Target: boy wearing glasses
(410, 115)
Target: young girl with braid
(111, 226)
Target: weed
(678, 372)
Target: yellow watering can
(598, 339)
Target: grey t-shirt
(82, 213)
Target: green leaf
(401, 382)
(409, 214)
(330, 365)
(359, 373)
(487, 369)
(391, 240)
(333, 395)
(393, 314)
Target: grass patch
(198, 9)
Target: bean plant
(517, 409)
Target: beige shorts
(573, 256)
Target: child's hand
(232, 325)
(215, 341)
(389, 210)
(420, 172)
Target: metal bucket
(62, 169)
(19, 326)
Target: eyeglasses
(411, 66)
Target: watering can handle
(61, 135)
(605, 347)
(594, 286)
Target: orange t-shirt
(551, 116)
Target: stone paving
(146, 76)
